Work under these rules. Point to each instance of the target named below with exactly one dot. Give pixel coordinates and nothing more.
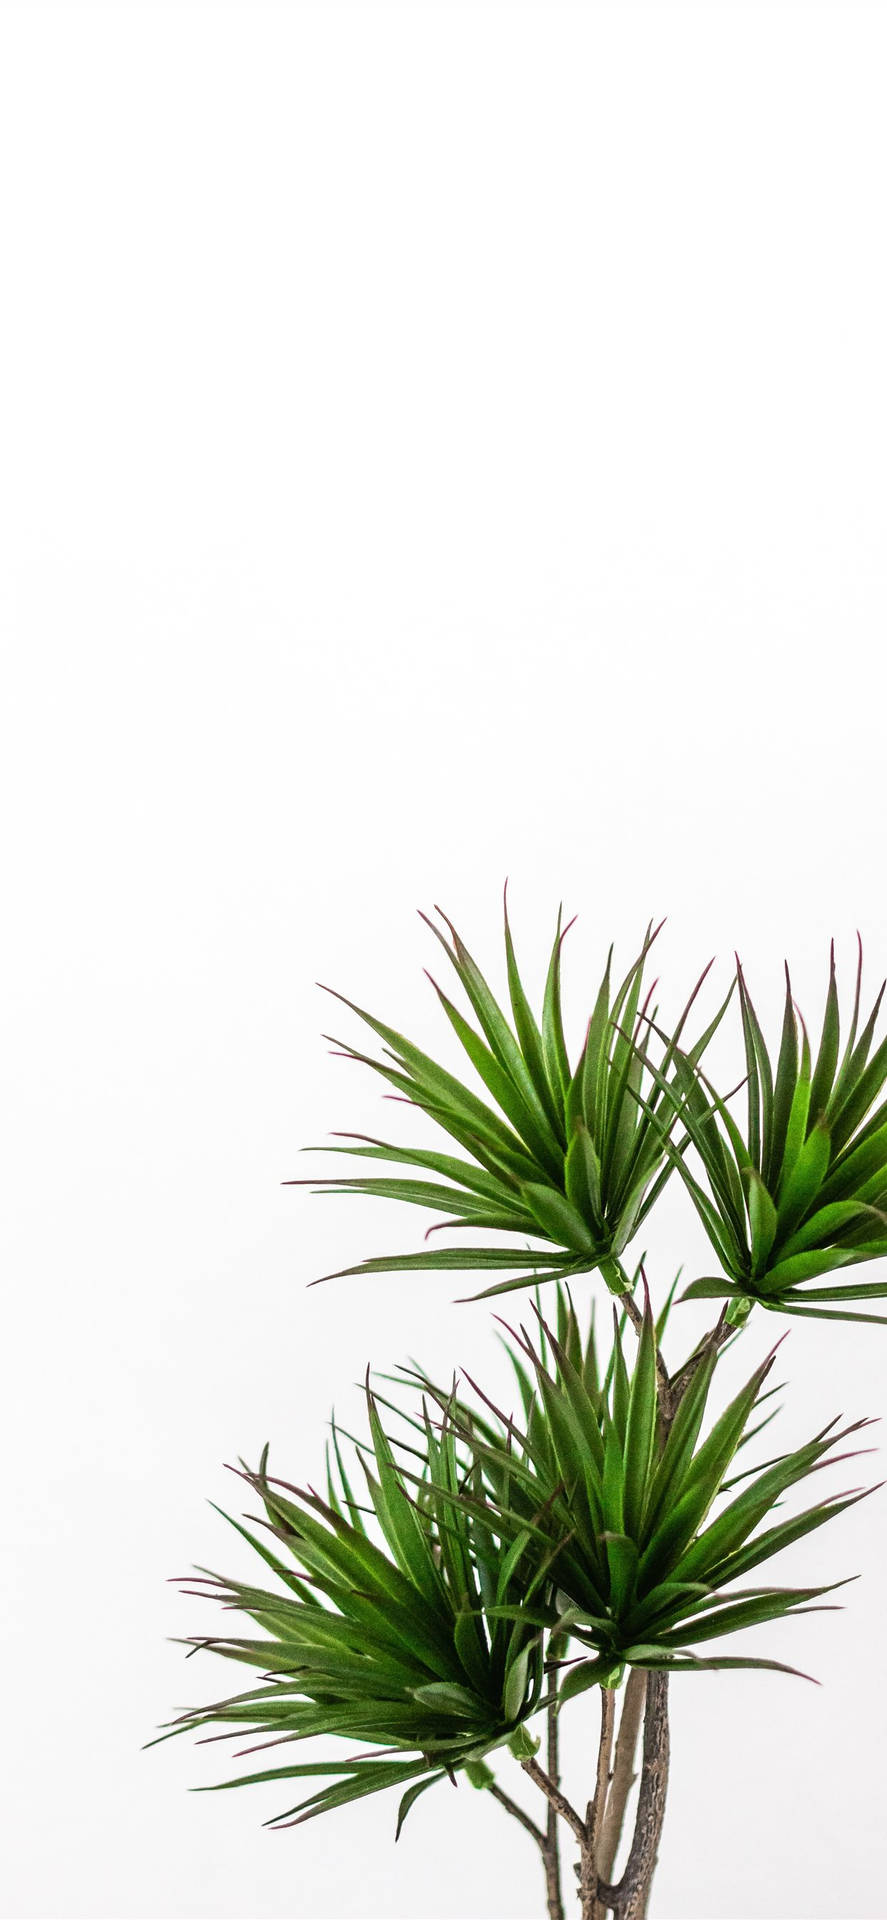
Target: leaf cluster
(572, 1156)
(421, 1622)
(641, 1570)
(802, 1192)
(422, 1639)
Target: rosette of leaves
(646, 1533)
(397, 1623)
(571, 1156)
(802, 1192)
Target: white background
(438, 441)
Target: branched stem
(599, 1834)
(588, 1877)
(629, 1898)
(517, 1813)
(547, 1839)
(595, 1810)
(558, 1806)
(556, 1799)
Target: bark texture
(628, 1899)
(588, 1876)
(632, 1893)
(624, 1776)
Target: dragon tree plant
(471, 1571)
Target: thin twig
(553, 1763)
(551, 1852)
(556, 1799)
(547, 1843)
(517, 1813)
(588, 1878)
(595, 1811)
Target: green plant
(573, 1157)
(473, 1573)
(804, 1191)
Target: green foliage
(572, 1156)
(417, 1623)
(642, 1569)
(802, 1192)
(430, 1619)
(421, 1639)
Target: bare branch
(624, 1775)
(629, 1898)
(595, 1812)
(557, 1800)
(551, 1852)
(588, 1878)
(517, 1813)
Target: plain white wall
(438, 441)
